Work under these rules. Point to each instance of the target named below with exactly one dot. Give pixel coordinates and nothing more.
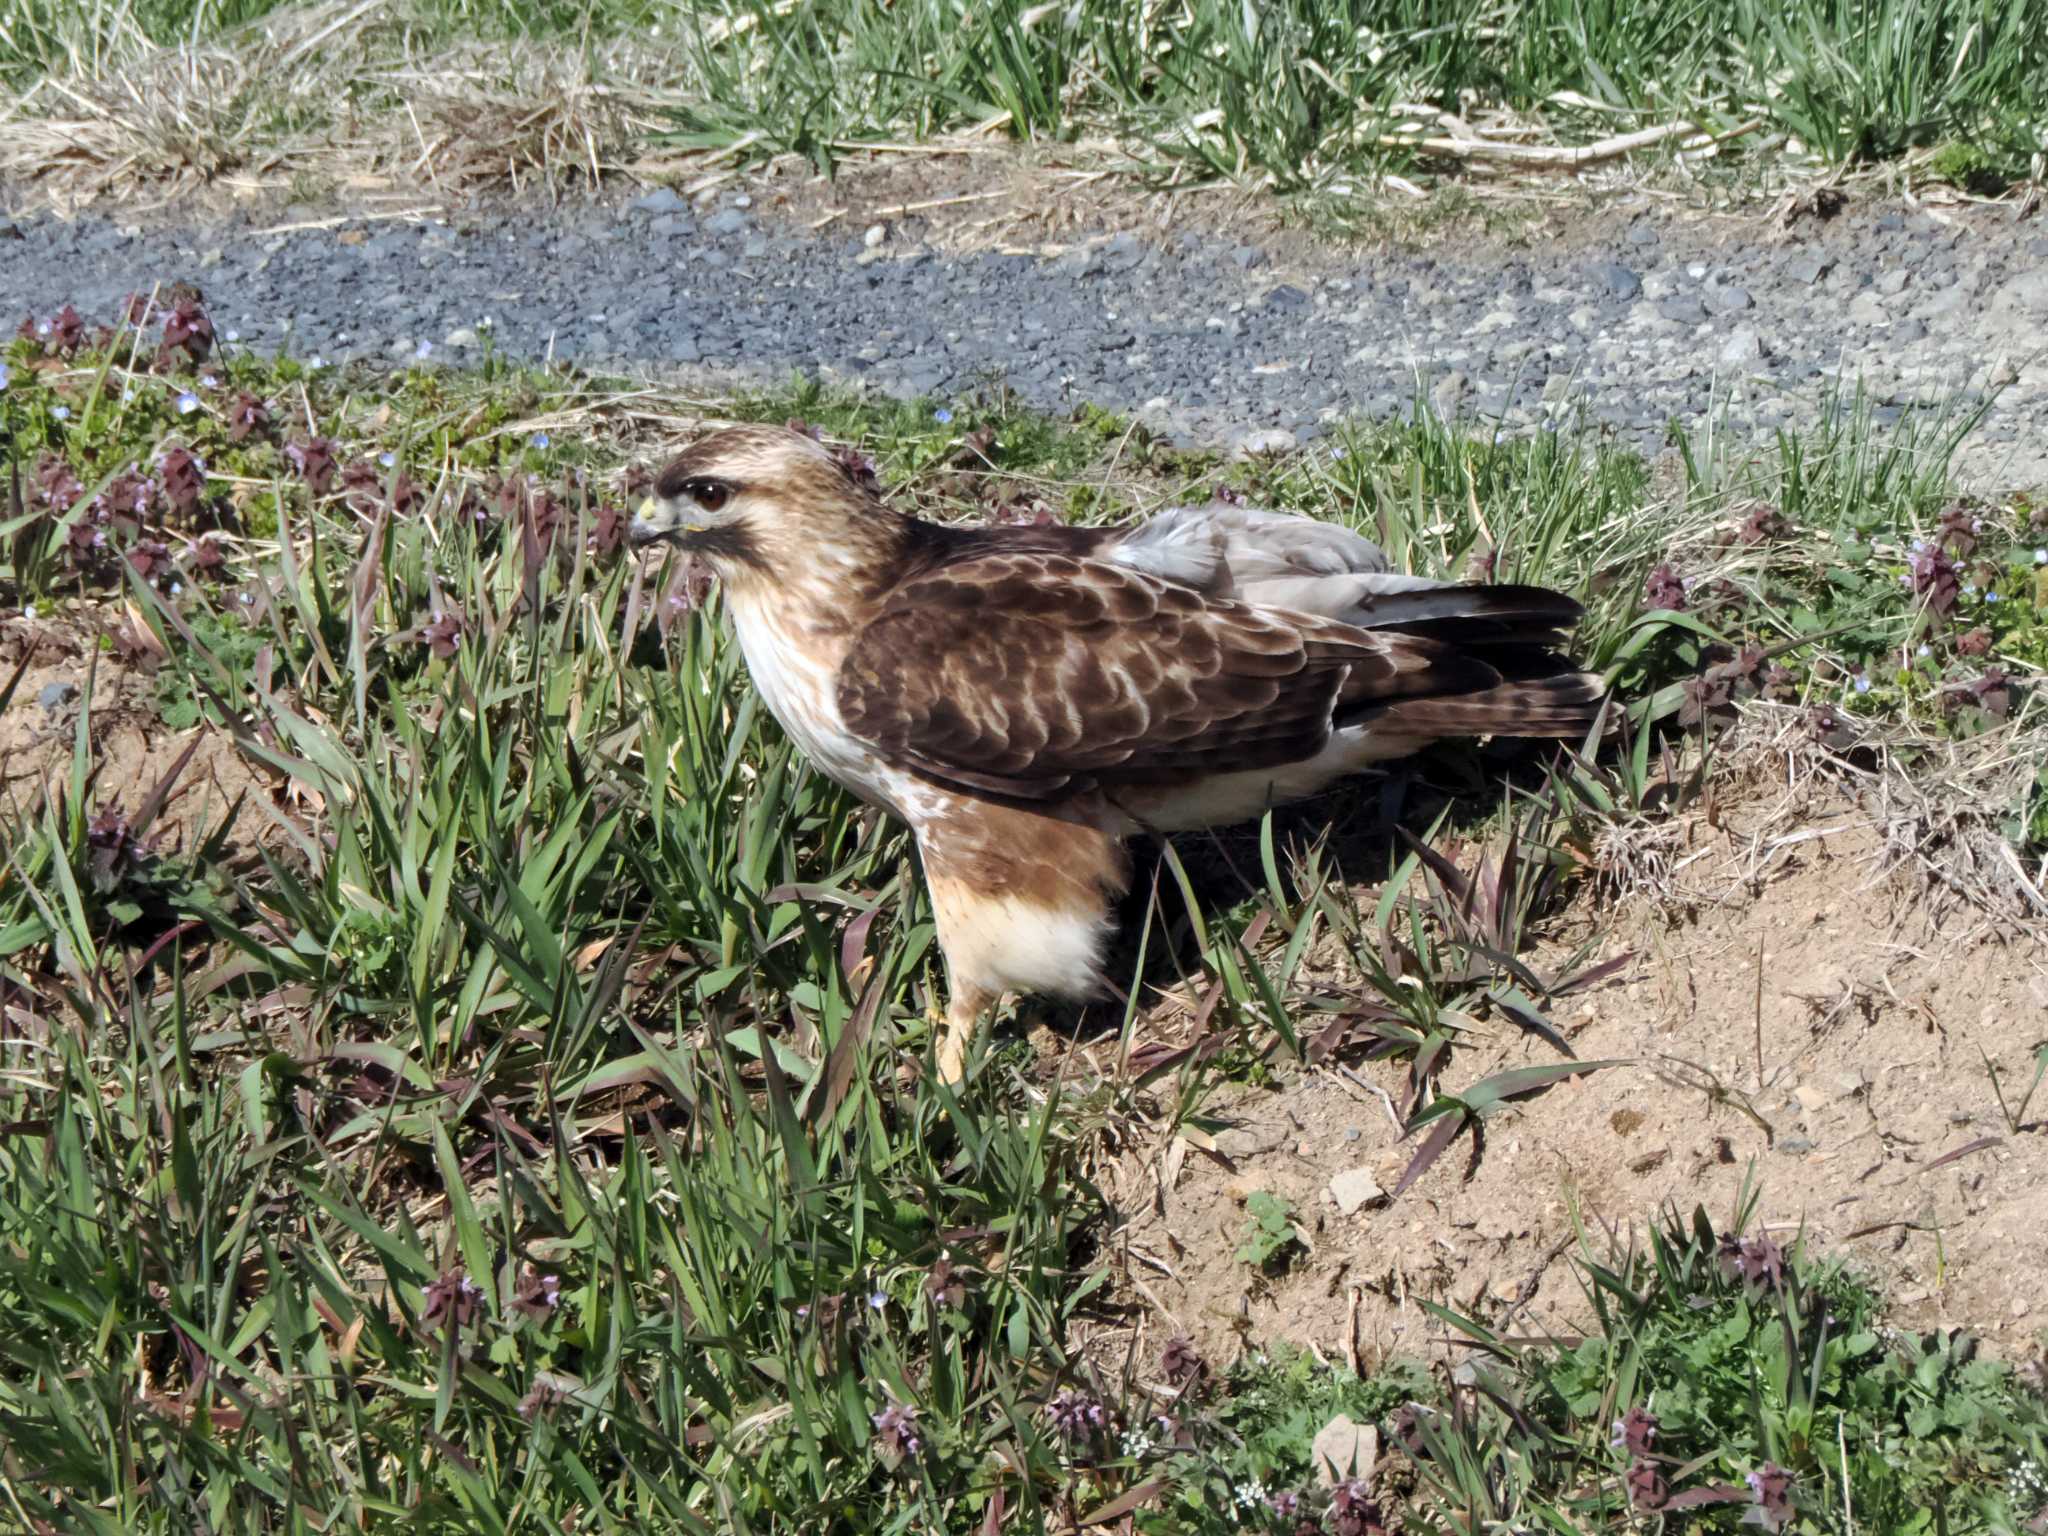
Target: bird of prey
(1027, 699)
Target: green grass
(1296, 95)
(500, 1122)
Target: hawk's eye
(708, 494)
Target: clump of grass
(1295, 96)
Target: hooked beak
(655, 523)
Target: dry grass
(347, 95)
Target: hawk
(1027, 699)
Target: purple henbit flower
(187, 328)
(1076, 1416)
(1991, 693)
(124, 501)
(944, 1285)
(452, 1301)
(314, 462)
(442, 633)
(1180, 1364)
(112, 847)
(1647, 1490)
(1706, 697)
(1664, 590)
(1757, 1261)
(539, 1293)
(1976, 643)
(608, 530)
(248, 417)
(1933, 579)
(1770, 1488)
(858, 468)
(896, 1429)
(183, 477)
(206, 557)
(1230, 495)
(1635, 1432)
(56, 486)
(1959, 530)
(150, 559)
(1763, 524)
(1286, 1505)
(1352, 1510)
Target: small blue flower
(42, 327)
(942, 416)
(234, 336)
(127, 393)
(187, 403)
(61, 412)
(1925, 650)
(6, 377)
(2040, 555)
(387, 459)
(1340, 452)
(1862, 683)
(211, 381)
(315, 363)
(878, 1300)
(539, 440)
(424, 349)
(1990, 597)
(1970, 592)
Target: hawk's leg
(964, 1008)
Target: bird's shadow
(1357, 825)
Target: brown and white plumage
(1028, 698)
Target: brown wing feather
(1027, 675)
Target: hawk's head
(758, 497)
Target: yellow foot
(952, 1060)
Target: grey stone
(1742, 349)
(1728, 299)
(671, 225)
(1286, 296)
(1683, 308)
(1248, 257)
(1808, 269)
(727, 221)
(1343, 1451)
(55, 696)
(1893, 282)
(660, 200)
(1354, 1189)
(1620, 281)
(1262, 442)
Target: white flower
(315, 363)
(1136, 1443)
(42, 327)
(187, 403)
(1250, 1494)
(1925, 650)
(28, 610)
(2041, 557)
(234, 336)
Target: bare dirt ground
(1797, 1017)
(131, 748)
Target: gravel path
(1637, 322)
